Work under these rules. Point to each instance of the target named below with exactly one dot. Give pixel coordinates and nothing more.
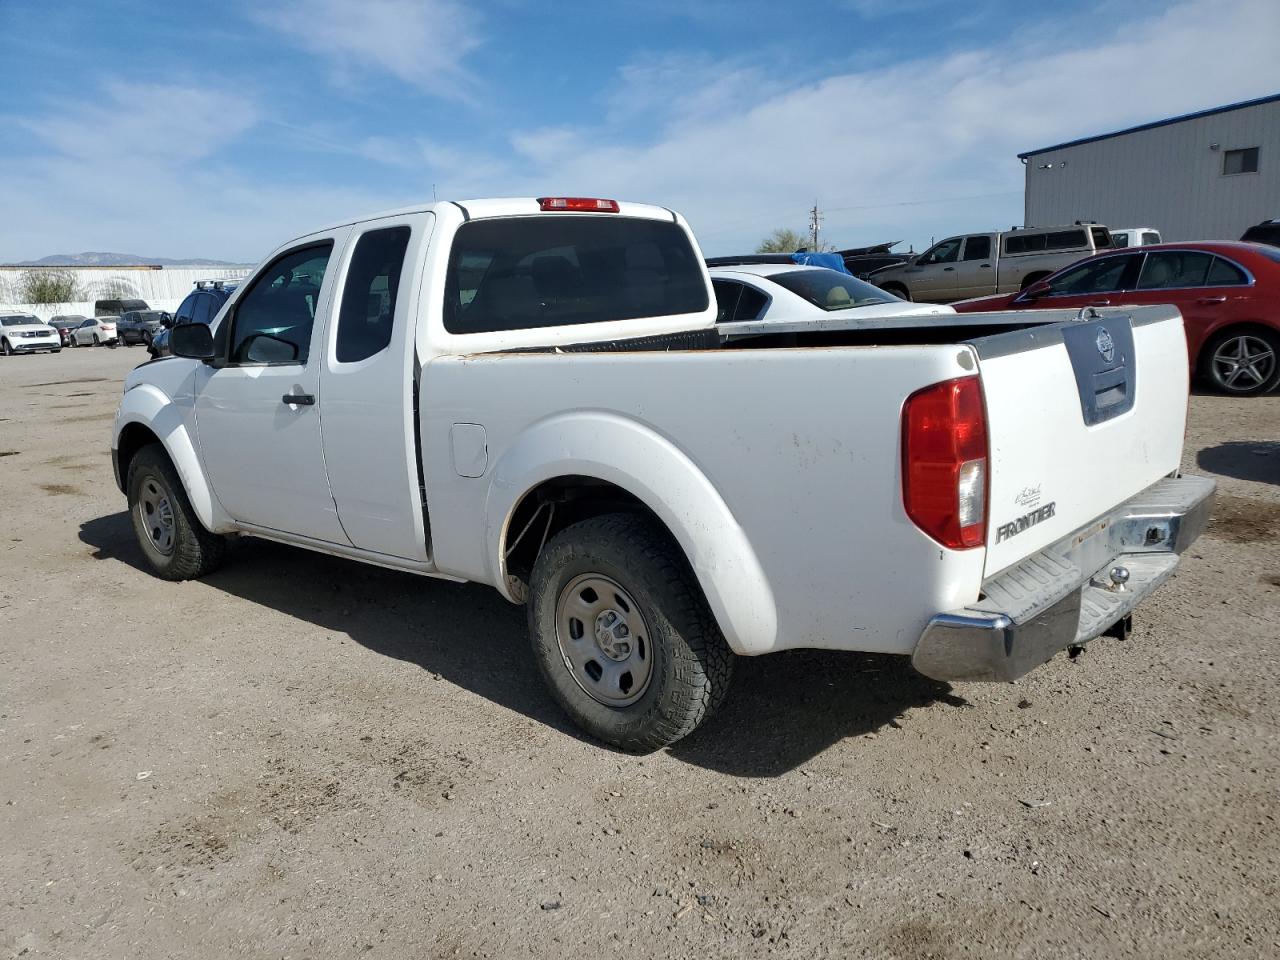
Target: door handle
(301, 399)
(985, 266)
(947, 269)
(1209, 300)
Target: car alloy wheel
(1244, 363)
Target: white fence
(82, 308)
(162, 289)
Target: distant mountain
(119, 260)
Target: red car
(1228, 294)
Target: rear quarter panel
(800, 446)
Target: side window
(183, 313)
(1097, 276)
(727, 294)
(1149, 237)
(1065, 240)
(200, 308)
(751, 304)
(369, 298)
(948, 251)
(1016, 243)
(273, 321)
(1101, 238)
(1171, 269)
(1224, 273)
(1120, 239)
(977, 248)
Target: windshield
(17, 321)
(830, 289)
(516, 273)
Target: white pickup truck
(533, 394)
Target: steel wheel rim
(604, 640)
(1244, 362)
(155, 513)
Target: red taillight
(944, 462)
(578, 204)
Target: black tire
(898, 290)
(1220, 359)
(56, 350)
(8, 350)
(96, 341)
(691, 664)
(194, 551)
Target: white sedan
(784, 291)
(94, 332)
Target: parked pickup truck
(984, 264)
(533, 394)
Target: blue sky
(221, 130)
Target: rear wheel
(97, 342)
(1243, 362)
(176, 544)
(622, 633)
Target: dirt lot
(305, 757)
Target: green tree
(782, 240)
(47, 286)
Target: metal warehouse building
(1203, 176)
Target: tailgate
(1081, 416)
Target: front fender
(150, 407)
(630, 455)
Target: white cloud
(422, 42)
(148, 121)
(744, 159)
(920, 148)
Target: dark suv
(201, 306)
(1268, 231)
(140, 326)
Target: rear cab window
(519, 273)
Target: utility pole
(815, 224)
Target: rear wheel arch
(632, 469)
(897, 289)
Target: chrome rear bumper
(1063, 596)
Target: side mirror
(1037, 290)
(191, 340)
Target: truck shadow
(782, 711)
(1257, 460)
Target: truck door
(256, 414)
(367, 388)
(976, 271)
(932, 278)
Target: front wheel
(8, 350)
(175, 543)
(622, 633)
(1244, 362)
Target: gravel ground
(306, 757)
